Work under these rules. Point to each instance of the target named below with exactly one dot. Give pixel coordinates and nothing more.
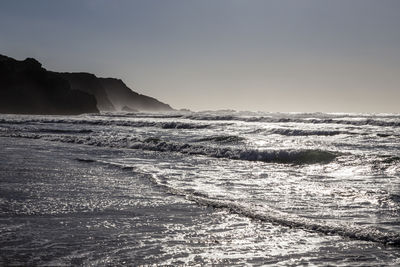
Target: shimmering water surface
(228, 188)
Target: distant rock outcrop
(27, 88)
(89, 83)
(122, 96)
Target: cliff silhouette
(28, 88)
(123, 97)
(90, 84)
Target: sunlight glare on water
(200, 188)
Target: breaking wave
(298, 132)
(363, 122)
(222, 139)
(127, 123)
(277, 156)
(181, 125)
(270, 119)
(303, 156)
(126, 120)
(63, 131)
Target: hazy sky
(282, 55)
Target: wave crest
(289, 156)
(273, 119)
(127, 123)
(222, 139)
(298, 132)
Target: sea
(212, 188)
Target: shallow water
(206, 188)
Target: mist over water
(200, 188)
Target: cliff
(27, 88)
(112, 94)
(89, 83)
(123, 98)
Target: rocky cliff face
(27, 88)
(112, 94)
(89, 83)
(123, 97)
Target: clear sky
(278, 55)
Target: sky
(258, 55)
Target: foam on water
(267, 214)
(335, 176)
(128, 123)
(300, 156)
(391, 122)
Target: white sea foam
(267, 214)
(326, 180)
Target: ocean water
(205, 188)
